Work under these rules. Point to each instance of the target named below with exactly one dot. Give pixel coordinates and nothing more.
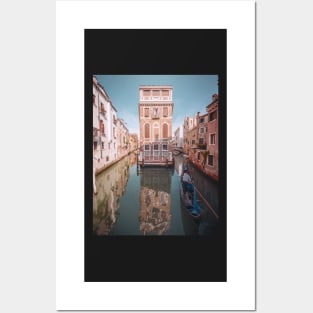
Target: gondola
(189, 201)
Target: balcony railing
(97, 135)
(155, 116)
(155, 98)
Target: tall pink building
(155, 123)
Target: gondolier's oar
(206, 202)
(196, 207)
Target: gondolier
(189, 196)
(187, 182)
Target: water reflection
(207, 198)
(180, 162)
(155, 200)
(206, 187)
(111, 186)
(134, 201)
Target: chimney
(197, 118)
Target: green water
(133, 201)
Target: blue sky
(191, 94)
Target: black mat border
(169, 258)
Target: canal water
(135, 201)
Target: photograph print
(155, 154)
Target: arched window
(147, 131)
(101, 127)
(165, 130)
(156, 132)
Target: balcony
(202, 146)
(155, 116)
(155, 98)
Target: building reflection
(111, 185)
(180, 162)
(155, 200)
(132, 159)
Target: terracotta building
(197, 135)
(201, 139)
(189, 124)
(211, 166)
(155, 122)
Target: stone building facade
(110, 134)
(189, 124)
(179, 137)
(133, 142)
(211, 166)
(155, 123)
(201, 139)
(122, 139)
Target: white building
(179, 137)
(112, 136)
(104, 127)
(122, 139)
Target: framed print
(151, 99)
(137, 201)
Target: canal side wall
(100, 167)
(199, 165)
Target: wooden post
(206, 202)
